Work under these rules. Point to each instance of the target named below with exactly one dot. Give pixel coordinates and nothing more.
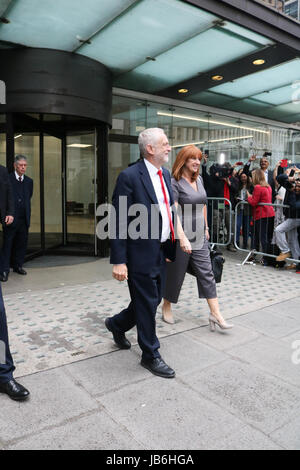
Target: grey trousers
(289, 228)
(197, 263)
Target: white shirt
(153, 172)
(17, 177)
(266, 172)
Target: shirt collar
(151, 168)
(17, 176)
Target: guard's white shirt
(18, 177)
(160, 198)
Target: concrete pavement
(233, 390)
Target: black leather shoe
(4, 276)
(20, 271)
(158, 367)
(119, 338)
(14, 390)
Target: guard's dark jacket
(7, 206)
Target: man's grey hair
(149, 136)
(18, 158)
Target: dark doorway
(67, 162)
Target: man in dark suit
(7, 207)
(15, 236)
(142, 260)
(7, 383)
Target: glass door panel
(80, 192)
(28, 144)
(53, 191)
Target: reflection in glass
(52, 191)
(120, 156)
(80, 204)
(129, 116)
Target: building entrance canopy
(163, 46)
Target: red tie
(167, 205)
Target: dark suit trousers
(15, 239)
(146, 294)
(6, 366)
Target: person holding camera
(264, 166)
(289, 249)
(221, 184)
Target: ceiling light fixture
(183, 90)
(212, 141)
(17, 136)
(258, 62)
(189, 118)
(217, 78)
(80, 146)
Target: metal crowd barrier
(225, 226)
(249, 228)
(219, 215)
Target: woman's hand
(207, 234)
(185, 245)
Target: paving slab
(288, 436)
(166, 414)
(268, 323)
(109, 372)
(223, 340)
(254, 396)
(272, 356)
(55, 398)
(92, 432)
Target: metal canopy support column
(10, 142)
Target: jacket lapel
(147, 181)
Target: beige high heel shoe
(213, 321)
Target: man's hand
(9, 219)
(252, 158)
(120, 272)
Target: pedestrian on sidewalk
(142, 261)
(193, 254)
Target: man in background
(15, 235)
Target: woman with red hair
(193, 254)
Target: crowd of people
(259, 197)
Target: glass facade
(80, 190)
(227, 139)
